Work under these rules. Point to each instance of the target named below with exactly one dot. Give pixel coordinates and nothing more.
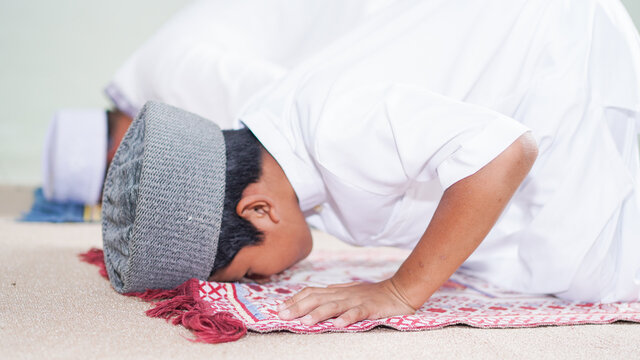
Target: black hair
(244, 167)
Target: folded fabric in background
(43, 210)
(218, 312)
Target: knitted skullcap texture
(163, 199)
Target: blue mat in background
(44, 210)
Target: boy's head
(260, 210)
(183, 199)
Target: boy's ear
(258, 209)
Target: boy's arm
(465, 215)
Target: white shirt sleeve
(385, 138)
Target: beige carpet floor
(54, 307)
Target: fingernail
(284, 314)
(307, 320)
(280, 307)
(338, 323)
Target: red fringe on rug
(182, 306)
(96, 257)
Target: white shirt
(375, 127)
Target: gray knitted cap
(163, 199)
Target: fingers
(298, 297)
(323, 312)
(349, 303)
(353, 315)
(317, 310)
(343, 285)
(306, 303)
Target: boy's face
(272, 207)
(284, 244)
(273, 255)
(261, 261)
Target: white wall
(60, 53)
(634, 9)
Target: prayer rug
(463, 299)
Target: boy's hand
(349, 303)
